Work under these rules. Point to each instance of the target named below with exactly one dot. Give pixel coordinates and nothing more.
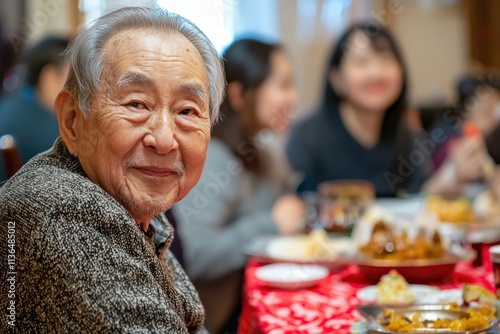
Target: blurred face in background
(369, 79)
(51, 82)
(276, 96)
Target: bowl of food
(415, 271)
(418, 259)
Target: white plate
(292, 248)
(406, 208)
(291, 275)
(443, 297)
(367, 294)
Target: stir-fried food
(386, 243)
(468, 320)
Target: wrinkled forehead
(139, 47)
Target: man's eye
(137, 105)
(187, 111)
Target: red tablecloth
(329, 307)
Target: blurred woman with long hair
(360, 129)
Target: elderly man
(84, 246)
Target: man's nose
(161, 134)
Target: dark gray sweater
(80, 263)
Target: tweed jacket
(74, 261)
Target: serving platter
(414, 271)
(375, 317)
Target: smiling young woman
(358, 131)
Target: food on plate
(317, 245)
(479, 294)
(467, 320)
(387, 243)
(393, 290)
(453, 211)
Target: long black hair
(381, 41)
(248, 62)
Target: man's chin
(147, 209)
(146, 202)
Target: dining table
(330, 305)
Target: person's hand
(288, 214)
(469, 157)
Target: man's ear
(235, 96)
(68, 116)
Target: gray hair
(85, 52)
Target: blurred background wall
(433, 36)
(441, 39)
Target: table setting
(434, 254)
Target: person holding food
(359, 130)
(235, 200)
(88, 242)
(463, 156)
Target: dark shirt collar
(161, 233)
